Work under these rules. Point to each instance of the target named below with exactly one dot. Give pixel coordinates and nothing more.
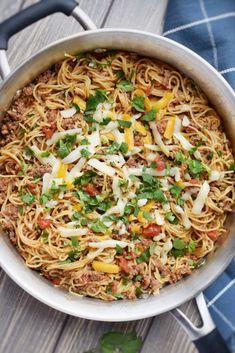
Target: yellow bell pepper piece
(147, 104)
(77, 207)
(62, 171)
(69, 185)
(148, 139)
(111, 115)
(170, 128)
(128, 133)
(136, 228)
(106, 268)
(140, 128)
(160, 114)
(131, 218)
(80, 102)
(110, 136)
(164, 101)
(139, 93)
(148, 206)
(141, 218)
(180, 184)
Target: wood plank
(138, 14)
(82, 335)
(25, 322)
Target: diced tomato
(212, 235)
(114, 288)
(56, 281)
(123, 263)
(160, 165)
(151, 230)
(91, 190)
(44, 223)
(49, 131)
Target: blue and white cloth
(208, 28)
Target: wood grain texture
(26, 325)
(138, 14)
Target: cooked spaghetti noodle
(116, 175)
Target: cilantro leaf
(150, 116)
(27, 199)
(144, 257)
(120, 74)
(64, 146)
(115, 341)
(123, 123)
(119, 249)
(44, 198)
(125, 86)
(123, 148)
(179, 248)
(195, 167)
(179, 158)
(138, 103)
(170, 217)
(85, 153)
(175, 191)
(98, 227)
(92, 102)
(191, 246)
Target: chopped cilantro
(85, 153)
(179, 158)
(44, 198)
(175, 191)
(138, 104)
(123, 148)
(232, 167)
(123, 123)
(192, 150)
(191, 246)
(195, 167)
(84, 142)
(138, 292)
(93, 101)
(112, 149)
(75, 243)
(73, 255)
(76, 216)
(29, 152)
(220, 153)
(45, 154)
(76, 107)
(64, 146)
(170, 217)
(144, 257)
(105, 121)
(209, 157)
(179, 248)
(147, 216)
(137, 278)
(44, 236)
(125, 86)
(24, 168)
(120, 74)
(150, 116)
(119, 249)
(85, 179)
(27, 199)
(98, 227)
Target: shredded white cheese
(72, 232)
(158, 218)
(102, 167)
(68, 113)
(60, 135)
(201, 198)
(158, 139)
(109, 244)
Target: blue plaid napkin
(208, 28)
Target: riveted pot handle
(36, 12)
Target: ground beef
(4, 183)
(11, 211)
(72, 123)
(91, 277)
(45, 76)
(136, 161)
(155, 284)
(40, 171)
(161, 126)
(138, 140)
(180, 273)
(52, 115)
(10, 231)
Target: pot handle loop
(206, 338)
(32, 14)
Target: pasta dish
(116, 175)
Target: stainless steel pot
(206, 337)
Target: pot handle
(32, 14)
(206, 338)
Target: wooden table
(26, 325)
